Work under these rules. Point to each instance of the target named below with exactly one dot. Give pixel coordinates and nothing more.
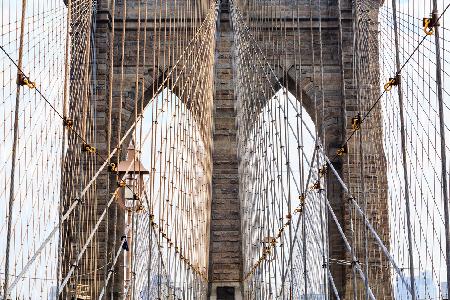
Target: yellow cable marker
(68, 122)
(341, 151)
(356, 122)
(112, 168)
(88, 148)
(388, 86)
(122, 183)
(395, 81)
(429, 30)
(23, 80)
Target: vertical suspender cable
(313, 63)
(119, 126)
(109, 131)
(322, 134)
(343, 105)
(86, 64)
(443, 144)
(63, 142)
(403, 146)
(361, 150)
(363, 195)
(14, 151)
(356, 79)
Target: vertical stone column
(225, 257)
(106, 183)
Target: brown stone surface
(225, 255)
(225, 258)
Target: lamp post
(135, 186)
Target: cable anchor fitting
(342, 150)
(22, 80)
(395, 81)
(323, 171)
(356, 122)
(139, 208)
(68, 122)
(87, 148)
(430, 24)
(112, 168)
(301, 198)
(122, 184)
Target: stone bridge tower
(225, 257)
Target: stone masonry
(225, 257)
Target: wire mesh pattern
(31, 140)
(64, 256)
(106, 150)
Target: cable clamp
(354, 263)
(112, 168)
(79, 200)
(121, 183)
(395, 81)
(75, 266)
(342, 150)
(316, 185)
(280, 232)
(68, 122)
(323, 171)
(429, 24)
(22, 80)
(356, 122)
(139, 208)
(87, 148)
(301, 198)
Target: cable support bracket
(317, 186)
(393, 81)
(112, 168)
(356, 122)
(67, 122)
(355, 262)
(342, 150)
(23, 80)
(121, 183)
(75, 266)
(79, 200)
(429, 24)
(88, 148)
(323, 171)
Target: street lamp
(135, 186)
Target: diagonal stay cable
(366, 221)
(78, 200)
(410, 56)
